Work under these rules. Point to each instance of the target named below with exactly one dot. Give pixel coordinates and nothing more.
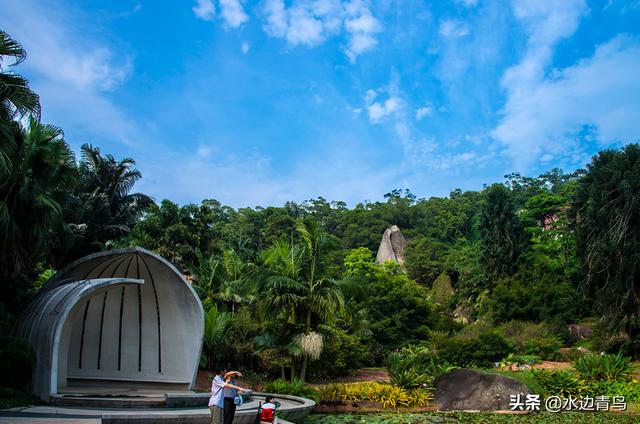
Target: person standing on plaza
(216, 402)
(229, 397)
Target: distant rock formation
(391, 246)
(442, 290)
(580, 332)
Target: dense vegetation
(294, 291)
(471, 418)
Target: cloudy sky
(257, 103)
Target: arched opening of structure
(127, 321)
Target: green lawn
(474, 418)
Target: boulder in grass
(471, 390)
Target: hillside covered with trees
(294, 291)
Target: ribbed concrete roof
(150, 333)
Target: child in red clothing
(268, 411)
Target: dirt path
(363, 374)
(552, 365)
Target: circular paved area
(294, 408)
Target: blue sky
(257, 103)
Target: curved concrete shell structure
(122, 318)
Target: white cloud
(545, 117)
(310, 23)
(369, 96)
(204, 9)
(304, 27)
(71, 71)
(420, 151)
(276, 15)
(423, 111)
(416, 149)
(245, 47)
(55, 53)
(379, 111)
(453, 28)
(459, 161)
(233, 13)
(547, 23)
(362, 27)
(547, 113)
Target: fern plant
(560, 383)
(604, 367)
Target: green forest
(294, 291)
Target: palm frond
(11, 48)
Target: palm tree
(282, 338)
(104, 209)
(215, 326)
(208, 273)
(41, 166)
(296, 287)
(239, 277)
(16, 98)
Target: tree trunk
(293, 371)
(305, 355)
(282, 374)
(303, 371)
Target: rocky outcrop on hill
(442, 290)
(391, 246)
(470, 390)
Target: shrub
(483, 351)
(415, 366)
(16, 361)
(604, 367)
(389, 396)
(342, 353)
(12, 398)
(560, 383)
(295, 388)
(424, 259)
(407, 378)
(547, 297)
(544, 347)
(519, 360)
(521, 332)
(473, 331)
(400, 312)
(572, 354)
(629, 389)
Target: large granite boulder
(391, 246)
(580, 332)
(470, 390)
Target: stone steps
(109, 402)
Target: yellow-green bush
(387, 395)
